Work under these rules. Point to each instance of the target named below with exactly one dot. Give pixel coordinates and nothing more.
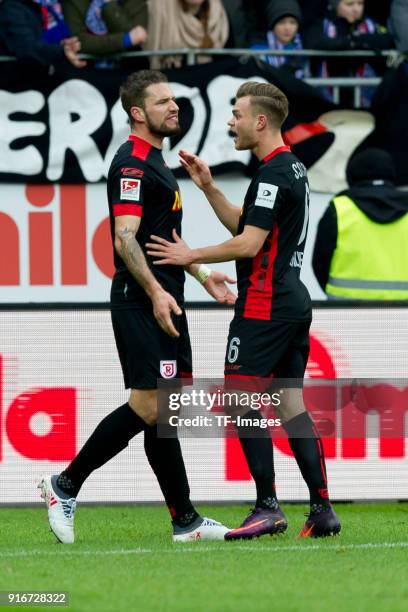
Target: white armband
(203, 273)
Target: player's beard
(160, 129)
(244, 142)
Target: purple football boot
(259, 522)
(322, 521)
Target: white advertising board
(59, 376)
(55, 244)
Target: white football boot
(60, 511)
(202, 529)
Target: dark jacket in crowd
(336, 34)
(247, 20)
(21, 33)
(370, 175)
(348, 37)
(379, 11)
(119, 19)
(312, 10)
(239, 31)
(399, 24)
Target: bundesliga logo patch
(168, 369)
(129, 189)
(266, 195)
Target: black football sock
(307, 448)
(110, 437)
(166, 460)
(258, 452)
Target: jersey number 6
(233, 350)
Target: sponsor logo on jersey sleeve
(131, 172)
(130, 189)
(266, 195)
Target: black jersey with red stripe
(269, 285)
(140, 183)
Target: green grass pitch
(124, 560)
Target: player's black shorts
(146, 352)
(264, 350)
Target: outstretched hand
(197, 169)
(176, 253)
(216, 286)
(72, 46)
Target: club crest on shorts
(168, 369)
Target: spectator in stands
(238, 20)
(177, 24)
(256, 11)
(35, 30)
(284, 18)
(361, 251)
(399, 24)
(247, 20)
(345, 27)
(107, 26)
(312, 10)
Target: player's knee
(144, 403)
(147, 413)
(287, 413)
(150, 417)
(291, 404)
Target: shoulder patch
(130, 189)
(266, 195)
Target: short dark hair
(268, 99)
(133, 91)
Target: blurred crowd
(54, 32)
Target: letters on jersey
(177, 202)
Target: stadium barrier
(337, 83)
(60, 375)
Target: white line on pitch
(69, 550)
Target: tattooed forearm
(133, 256)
